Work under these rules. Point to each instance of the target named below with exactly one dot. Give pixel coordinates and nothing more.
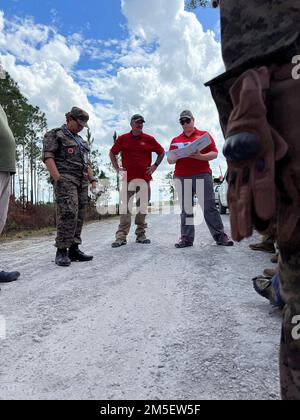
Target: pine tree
(27, 124)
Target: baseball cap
(137, 117)
(186, 114)
(80, 115)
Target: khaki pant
(142, 192)
(4, 197)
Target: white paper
(185, 150)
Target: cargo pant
(128, 192)
(283, 114)
(4, 197)
(186, 188)
(71, 202)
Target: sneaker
(118, 243)
(223, 240)
(76, 255)
(264, 247)
(9, 276)
(183, 243)
(141, 239)
(62, 259)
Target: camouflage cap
(137, 117)
(186, 114)
(80, 115)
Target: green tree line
(28, 123)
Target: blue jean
(275, 284)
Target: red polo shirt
(189, 166)
(136, 154)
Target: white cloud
(185, 58)
(158, 71)
(66, 55)
(31, 43)
(48, 85)
(41, 61)
(151, 19)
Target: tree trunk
(23, 178)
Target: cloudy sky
(115, 58)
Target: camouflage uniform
(71, 190)
(267, 33)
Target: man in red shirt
(188, 172)
(136, 149)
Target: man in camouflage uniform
(260, 41)
(66, 156)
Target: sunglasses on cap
(184, 121)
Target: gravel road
(139, 322)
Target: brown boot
(141, 239)
(274, 259)
(269, 272)
(118, 243)
(263, 246)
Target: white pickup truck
(222, 194)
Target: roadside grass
(30, 233)
(49, 231)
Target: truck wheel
(222, 209)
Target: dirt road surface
(139, 322)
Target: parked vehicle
(222, 196)
(216, 189)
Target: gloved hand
(252, 147)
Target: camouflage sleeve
(253, 30)
(88, 152)
(50, 145)
(86, 144)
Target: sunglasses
(185, 121)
